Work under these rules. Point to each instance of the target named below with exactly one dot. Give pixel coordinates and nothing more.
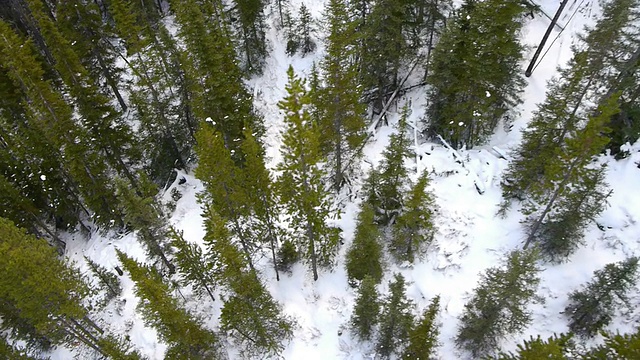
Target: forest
(349, 179)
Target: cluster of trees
(100, 102)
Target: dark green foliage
(261, 195)
(300, 185)
(423, 338)
(292, 38)
(337, 95)
(210, 65)
(250, 314)
(475, 76)
(109, 282)
(385, 185)
(142, 214)
(192, 265)
(498, 306)
(250, 33)
(414, 227)
(364, 257)
(396, 320)
(181, 331)
(305, 29)
(384, 50)
(9, 352)
(554, 348)
(591, 308)
(224, 189)
(618, 346)
(366, 309)
(287, 256)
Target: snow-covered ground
(469, 239)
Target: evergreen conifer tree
(414, 227)
(224, 188)
(250, 314)
(259, 187)
(300, 185)
(385, 187)
(618, 346)
(192, 265)
(554, 348)
(498, 306)
(45, 293)
(211, 65)
(304, 30)
(396, 320)
(340, 111)
(142, 214)
(109, 282)
(423, 338)
(364, 257)
(182, 332)
(473, 85)
(250, 31)
(292, 37)
(591, 308)
(366, 309)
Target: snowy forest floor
(469, 239)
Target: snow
(470, 237)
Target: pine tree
(45, 293)
(109, 282)
(396, 320)
(211, 65)
(106, 131)
(250, 314)
(554, 348)
(618, 346)
(385, 187)
(475, 76)
(292, 37)
(259, 187)
(384, 51)
(364, 257)
(48, 115)
(575, 189)
(414, 227)
(591, 308)
(223, 182)
(142, 214)
(182, 332)
(366, 309)
(423, 338)
(568, 104)
(7, 351)
(340, 110)
(498, 306)
(300, 185)
(304, 30)
(250, 33)
(192, 266)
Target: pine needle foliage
(414, 228)
(554, 348)
(366, 309)
(386, 185)
(498, 305)
(591, 308)
(300, 184)
(423, 337)
(364, 257)
(181, 331)
(396, 320)
(475, 75)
